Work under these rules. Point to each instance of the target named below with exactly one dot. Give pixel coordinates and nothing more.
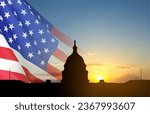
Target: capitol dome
(75, 69)
(75, 61)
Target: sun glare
(95, 74)
(96, 78)
(100, 77)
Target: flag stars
(35, 43)
(28, 44)
(27, 23)
(31, 13)
(25, 3)
(39, 17)
(29, 7)
(39, 52)
(47, 26)
(10, 2)
(48, 31)
(1, 18)
(30, 55)
(43, 41)
(19, 47)
(23, 12)
(20, 24)
(36, 22)
(24, 35)
(52, 40)
(42, 62)
(15, 13)
(7, 15)
(19, 2)
(31, 32)
(10, 40)
(15, 36)
(41, 32)
(46, 50)
(5, 28)
(11, 26)
(2, 4)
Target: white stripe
(56, 62)
(67, 50)
(35, 70)
(9, 65)
(3, 42)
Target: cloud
(90, 54)
(126, 67)
(123, 67)
(133, 65)
(115, 66)
(94, 64)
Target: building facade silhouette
(75, 72)
(75, 84)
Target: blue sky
(99, 20)
(114, 31)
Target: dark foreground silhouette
(75, 83)
(136, 88)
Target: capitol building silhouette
(75, 83)
(75, 72)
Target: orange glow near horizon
(95, 74)
(111, 73)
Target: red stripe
(60, 55)
(64, 38)
(31, 77)
(54, 71)
(7, 53)
(9, 75)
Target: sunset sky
(114, 34)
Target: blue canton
(27, 31)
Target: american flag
(27, 42)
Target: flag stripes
(7, 54)
(60, 55)
(62, 37)
(9, 75)
(14, 66)
(31, 78)
(54, 71)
